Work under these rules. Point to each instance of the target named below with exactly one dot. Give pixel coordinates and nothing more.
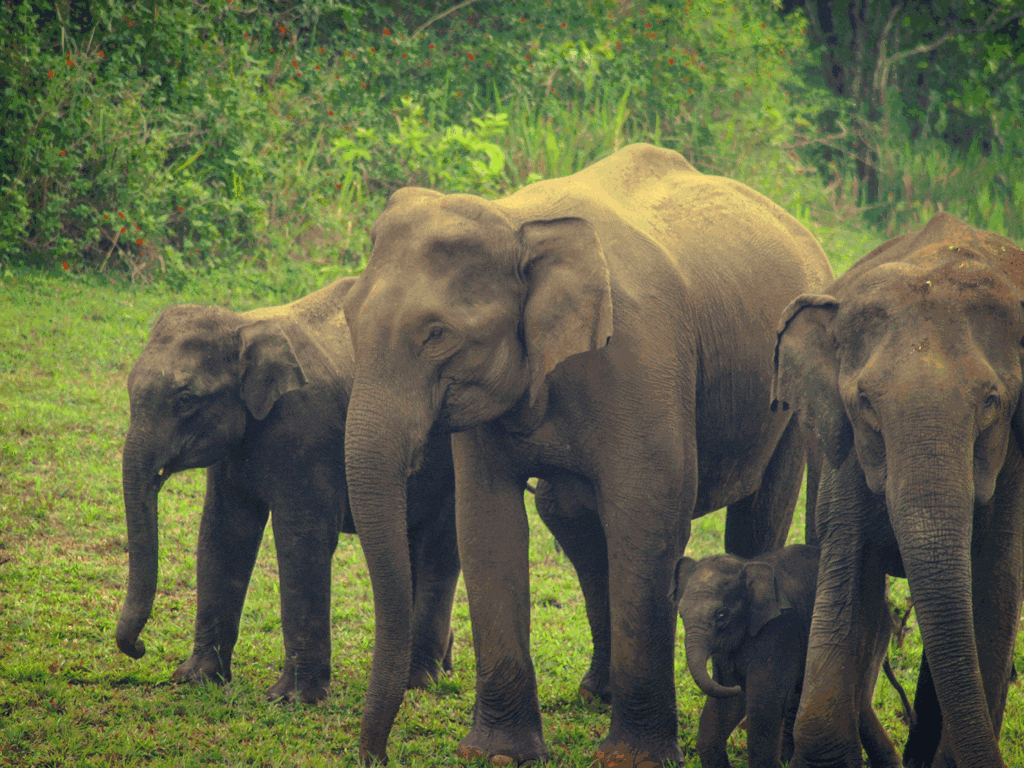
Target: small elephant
(910, 369)
(260, 399)
(753, 617)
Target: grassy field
(67, 696)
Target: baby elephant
(753, 618)
(260, 399)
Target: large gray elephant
(259, 398)
(909, 368)
(494, 321)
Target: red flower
(330, 112)
(102, 54)
(181, 208)
(321, 50)
(522, 19)
(671, 61)
(62, 153)
(139, 240)
(317, 66)
(387, 31)
(123, 230)
(405, 55)
(563, 25)
(373, 50)
(65, 265)
(51, 73)
(138, 227)
(364, 86)
(470, 55)
(283, 30)
(431, 46)
(458, 94)
(337, 186)
(527, 57)
(120, 214)
(105, 216)
(295, 63)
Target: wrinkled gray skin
(909, 368)
(610, 333)
(259, 399)
(752, 618)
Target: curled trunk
(698, 651)
(141, 486)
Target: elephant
(909, 370)
(753, 618)
(493, 321)
(259, 399)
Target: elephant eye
(991, 401)
(721, 616)
(435, 333)
(185, 400)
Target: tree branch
(988, 26)
(439, 16)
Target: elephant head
(912, 369)
(204, 373)
(462, 311)
(723, 600)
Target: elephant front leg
(849, 608)
(305, 542)
(230, 533)
(718, 719)
(434, 555)
(494, 549)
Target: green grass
(67, 696)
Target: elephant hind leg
(760, 522)
(570, 514)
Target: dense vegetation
(161, 138)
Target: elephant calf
(260, 399)
(753, 618)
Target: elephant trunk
(141, 485)
(698, 650)
(380, 443)
(931, 505)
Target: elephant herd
(652, 344)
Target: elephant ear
(569, 301)
(807, 372)
(685, 567)
(268, 367)
(766, 600)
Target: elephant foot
(201, 668)
(503, 747)
(311, 690)
(595, 689)
(426, 676)
(617, 753)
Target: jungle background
(236, 152)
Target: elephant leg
(876, 742)
(230, 533)
(641, 566)
(759, 523)
(434, 556)
(923, 739)
(494, 534)
(569, 513)
(305, 541)
(718, 719)
(849, 608)
(815, 457)
(772, 679)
